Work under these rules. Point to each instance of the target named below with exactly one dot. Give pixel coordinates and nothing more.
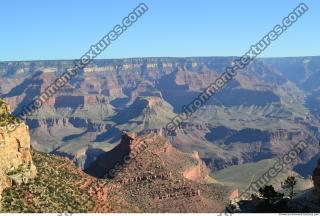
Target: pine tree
(289, 184)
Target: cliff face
(16, 164)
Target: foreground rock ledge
(16, 164)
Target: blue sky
(65, 29)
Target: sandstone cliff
(16, 164)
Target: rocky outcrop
(16, 164)
(116, 157)
(198, 172)
(151, 172)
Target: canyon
(261, 114)
(106, 133)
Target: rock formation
(154, 176)
(16, 164)
(198, 172)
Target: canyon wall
(258, 115)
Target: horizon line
(169, 57)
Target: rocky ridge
(156, 179)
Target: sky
(65, 29)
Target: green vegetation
(53, 190)
(20, 169)
(5, 117)
(2, 102)
(268, 200)
(269, 194)
(271, 201)
(290, 184)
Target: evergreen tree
(289, 184)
